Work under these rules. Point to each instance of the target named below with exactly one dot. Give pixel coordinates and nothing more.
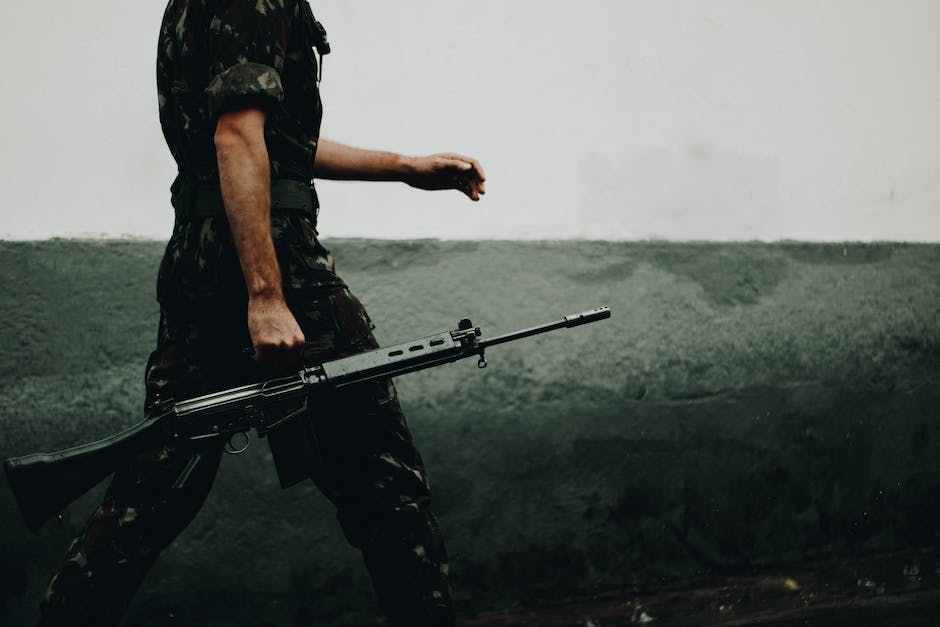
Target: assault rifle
(44, 483)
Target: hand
(275, 334)
(446, 171)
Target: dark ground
(751, 413)
(897, 589)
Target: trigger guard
(230, 448)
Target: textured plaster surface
(747, 405)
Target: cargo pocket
(353, 325)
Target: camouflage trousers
(370, 471)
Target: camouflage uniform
(212, 53)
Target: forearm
(345, 163)
(439, 171)
(244, 177)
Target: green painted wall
(746, 405)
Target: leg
(141, 514)
(375, 476)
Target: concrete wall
(613, 119)
(746, 405)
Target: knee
(365, 529)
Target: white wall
(680, 119)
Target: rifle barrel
(591, 315)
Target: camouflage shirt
(212, 54)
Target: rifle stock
(44, 483)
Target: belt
(200, 200)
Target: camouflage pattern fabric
(371, 471)
(211, 55)
(200, 262)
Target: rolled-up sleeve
(247, 45)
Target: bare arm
(244, 176)
(440, 171)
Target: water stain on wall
(741, 278)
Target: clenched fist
(275, 335)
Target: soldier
(240, 111)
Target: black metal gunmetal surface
(591, 315)
(43, 484)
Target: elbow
(239, 128)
